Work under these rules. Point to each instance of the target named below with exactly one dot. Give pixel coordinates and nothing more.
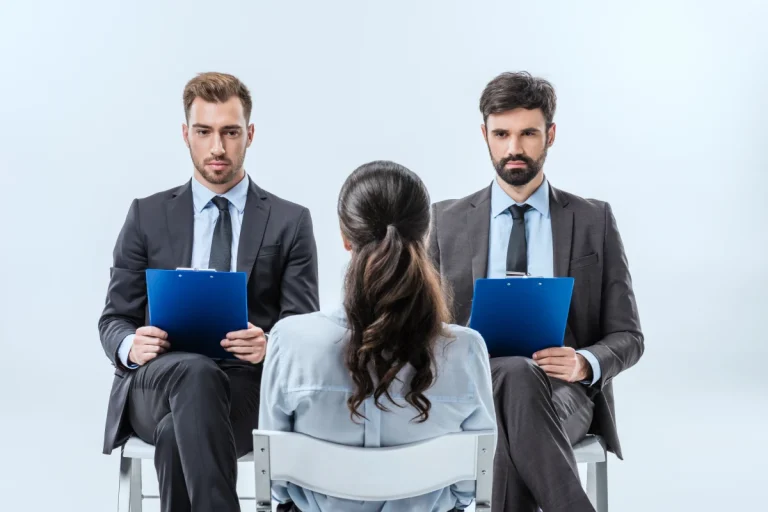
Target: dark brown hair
(393, 300)
(509, 91)
(217, 88)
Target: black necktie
(221, 246)
(517, 251)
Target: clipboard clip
(197, 269)
(512, 273)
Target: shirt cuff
(594, 363)
(124, 349)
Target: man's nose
(514, 147)
(218, 147)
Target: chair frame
(590, 451)
(130, 494)
(483, 469)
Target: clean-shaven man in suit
(521, 223)
(198, 412)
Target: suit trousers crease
(199, 414)
(539, 419)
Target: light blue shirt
(205, 216)
(305, 386)
(538, 235)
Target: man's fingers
(152, 349)
(148, 340)
(163, 344)
(241, 350)
(554, 361)
(547, 352)
(251, 358)
(246, 351)
(152, 332)
(250, 332)
(553, 352)
(556, 371)
(248, 342)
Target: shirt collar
(339, 315)
(539, 200)
(202, 195)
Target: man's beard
(518, 177)
(219, 178)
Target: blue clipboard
(519, 316)
(197, 308)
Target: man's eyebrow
(228, 127)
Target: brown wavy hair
(393, 299)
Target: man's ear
(185, 133)
(551, 135)
(250, 132)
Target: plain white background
(661, 112)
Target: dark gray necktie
(517, 251)
(221, 246)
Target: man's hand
(148, 343)
(248, 345)
(563, 363)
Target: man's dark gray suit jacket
(276, 249)
(603, 316)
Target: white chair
(345, 471)
(592, 452)
(129, 494)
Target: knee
(194, 368)
(165, 435)
(195, 364)
(520, 373)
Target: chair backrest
(373, 474)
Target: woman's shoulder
(463, 339)
(308, 329)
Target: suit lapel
(255, 219)
(478, 228)
(562, 232)
(180, 218)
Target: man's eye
(233, 134)
(202, 132)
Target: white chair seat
(591, 449)
(135, 448)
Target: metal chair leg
(136, 492)
(597, 485)
(602, 486)
(124, 485)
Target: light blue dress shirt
(305, 386)
(205, 216)
(538, 235)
